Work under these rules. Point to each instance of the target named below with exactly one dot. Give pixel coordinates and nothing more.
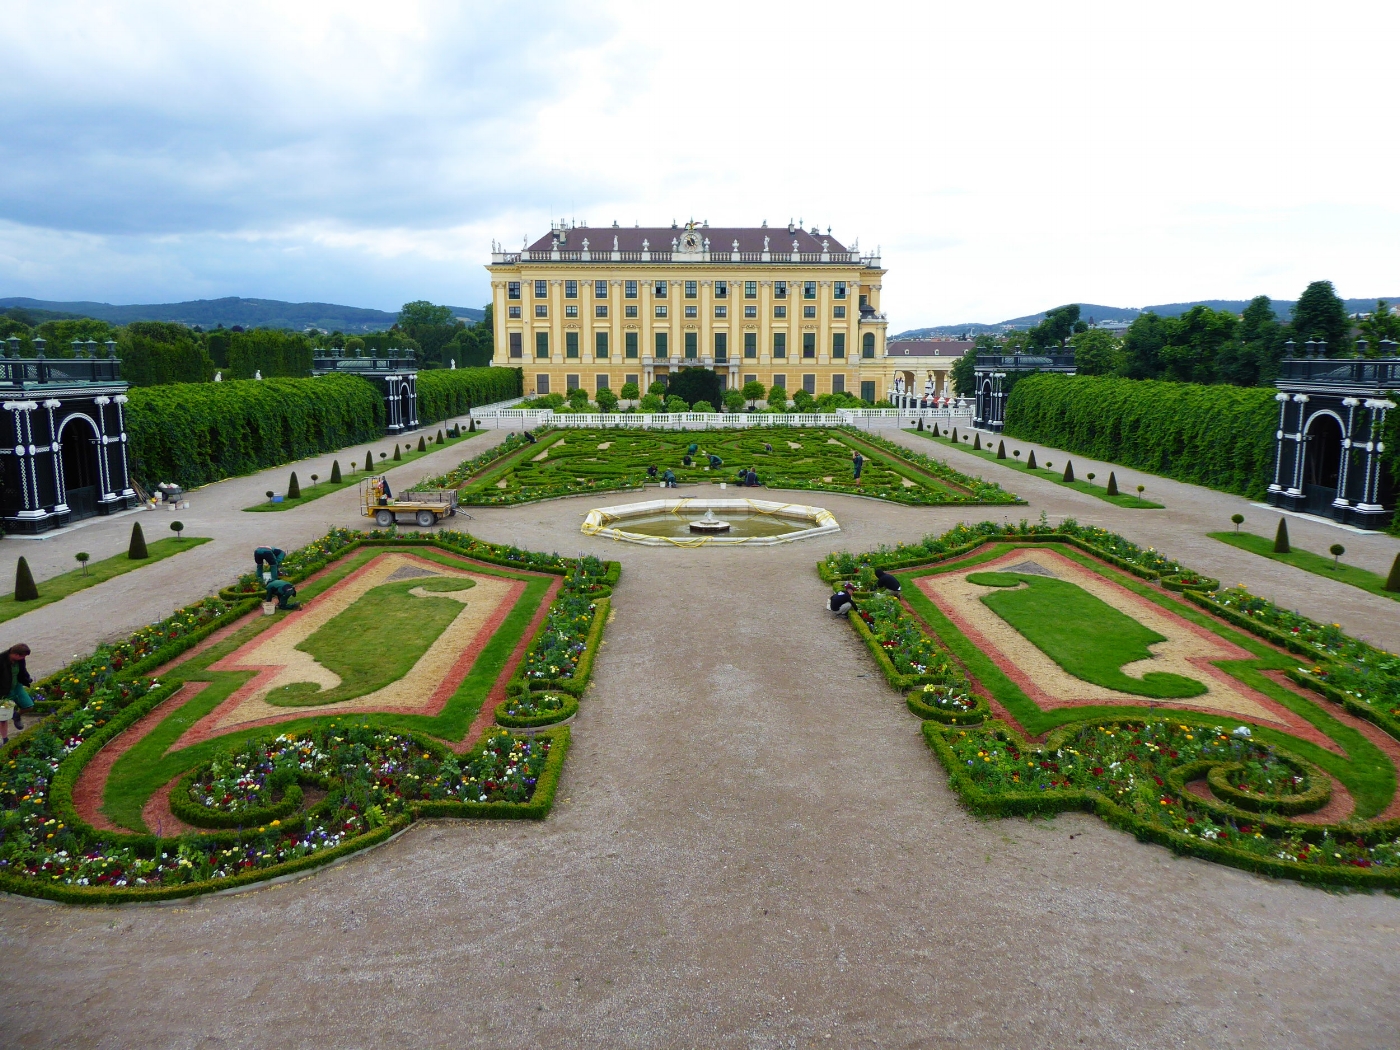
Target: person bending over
(14, 676)
(886, 581)
(841, 601)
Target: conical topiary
(471, 429)
(1001, 450)
(976, 442)
(1030, 460)
(439, 437)
(1392, 582)
(921, 424)
(1069, 470)
(1111, 489)
(422, 444)
(335, 472)
(398, 456)
(1281, 538)
(369, 460)
(935, 430)
(294, 487)
(137, 549)
(954, 438)
(25, 591)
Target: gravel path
(752, 848)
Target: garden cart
(424, 507)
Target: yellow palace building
(598, 307)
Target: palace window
(839, 290)
(721, 311)
(571, 383)
(721, 347)
(570, 289)
(809, 312)
(661, 350)
(780, 344)
(629, 311)
(692, 344)
(838, 346)
(600, 289)
(571, 345)
(690, 289)
(867, 391)
(541, 310)
(629, 290)
(513, 290)
(750, 289)
(542, 345)
(721, 289)
(809, 382)
(750, 311)
(864, 302)
(661, 311)
(780, 311)
(660, 290)
(541, 289)
(630, 377)
(516, 349)
(570, 310)
(838, 312)
(600, 382)
(809, 347)
(600, 311)
(629, 345)
(692, 311)
(750, 379)
(513, 311)
(750, 346)
(780, 289)
(867, 346)
(780, 380)
(809, 291)
(542, 383)
(838, 384)
(600, 344)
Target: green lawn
(59, 587)
(1129, 499)
(310, 491)
(1321, 564)
(376, 641)
(1086, 636)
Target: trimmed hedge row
(446, 392)
(1221, 437)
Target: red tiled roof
(658, 238)
(928, 347)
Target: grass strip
(1318, 564)
(1122, 499)
(56, 588)
(312, 492)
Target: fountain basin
(745, 522)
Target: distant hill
(1282, 307)
(210, 313)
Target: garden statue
(218, 377)
(271, 559)
(257, 374)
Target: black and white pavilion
(997, 373)
(395, 376)
(1328, 447)
(62, 437)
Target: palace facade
(598, 307)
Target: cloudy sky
(1006, 156)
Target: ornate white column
(1341, 500)
(1296, 488)
(104, 474)
(1283, 400)
(1374, 448)
(120, 400)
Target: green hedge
(195, 433)
(1221, 437)
(446, 392)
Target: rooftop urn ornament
(1388, 347)
(111, 348)
(736, 244)
(1290, 348)
(646, 245)
(585, 244)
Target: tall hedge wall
(1218, 436)
(444, 392)
(195, 433)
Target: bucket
(269, 608)
(7, 712)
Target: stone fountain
(709, 524)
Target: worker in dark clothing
(652, 472)
(530, 437)
(752, 480)
(857, 462)
(14, 676)
(886, 581)
(668, 480)
(269, 558)
(715, 462)
(686, 460)
(842, 601)
(283, 593)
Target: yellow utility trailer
(424, 507)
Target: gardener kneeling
(283, 593)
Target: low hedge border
(902, 682)
(576, 683)
(1317, 795)
(980, 712)
(191, 812)
(565, 713)
(1042, 803)
(1181, 583)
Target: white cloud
(1007, 156)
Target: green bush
(398, 456)
(1281, 538)
(136, 550)
(335, 472)
(446, 392)
(1112, 487)
(25, 589)
(294, 487)
(1221, 437)
(422, 444)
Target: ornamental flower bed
(903, 641)
(563, 637)
(463, 471)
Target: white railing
(864, 418)
(665, 255)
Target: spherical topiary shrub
(136, 550)
(25, 589)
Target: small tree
(629, 392)
(778, 399)
(578, 399)
(1016, 453)
(921, 424)
(1392, 582)
(1030, 460)
(1001, 450)
(335, 471)
(657, 387)
(384, 455)
(440, 439)
(1111, 488)
(398, 456)
(269, 494)
(606, 399)
(422, 443)
(676, 403)
(369, 459)
(1238, 519)
(1069, 471)
(315, 478)
(470, 429)
(1140, 491)
(294, 487)
(177, 527)
(1281, 538)
(955, 435)
(83, 557)
(136, 550)
(1091, 476)
(25, 590)
(733, 400)
(1336, 550)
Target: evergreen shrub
(1112, 487)
(136, 550)
(25, 589)
(422, 444)
(1030, 460)
(294, 487)
(1281, 538)
(447, 392)
(335, 472)
(1069, 470)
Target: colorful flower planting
(565, 463)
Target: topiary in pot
(335, 472)
(25, 590)
(1069, 470)
(1111, 488)
(137, 548)
(294, 487)
(422, 444)
(1281, 538)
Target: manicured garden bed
(1317, 564)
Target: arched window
(867, 345)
